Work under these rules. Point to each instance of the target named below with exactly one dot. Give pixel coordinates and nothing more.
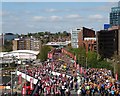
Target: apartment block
(27, 43)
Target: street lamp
(114, 65)
(25, 74)
(86, 62)
(12, 83)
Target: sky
(24, 17)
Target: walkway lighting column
(25, 74)
(86, 55)
(12, 83)
(115, 64)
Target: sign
(106, 26)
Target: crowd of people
(94, 82)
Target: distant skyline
(24, 17)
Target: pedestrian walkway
(86, 82)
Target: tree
(29, 34)
(116, 63)
(80, 54)
(43, 52)
(7, 46)
(92, 60)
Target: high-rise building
(74, 38)
(115, 16)
(108, 42)
(79, 36)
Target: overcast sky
(24, 17)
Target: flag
(77, 66)
(52, 66)
(62, 50)
(31, 83)
(84, 71)
(23, 91)
(48, 55)
(116, 76)
(20, 79)
(75, 61)
(80, 70)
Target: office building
(108, 42)
(115, 16)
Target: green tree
(80, 54)
(43, 52)
(92, 59)
(7, 46)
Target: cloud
(73, 16)
(30, 26)
(96, 17)
(4, 13)
(27, 12)
(47, 18)
(38, 18)
(51, 10)
(1, 13)
(106, 7)
(60, 1)
(55, 18)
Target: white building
(74, 38)
(20, 54)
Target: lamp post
(114, 66)
(86, 56)
(12, 83)
(25, 74)
(86, 61)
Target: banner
(84, 71)
(62, 50)
(75, 61)
(78, 67)
(48, 55)
(20, 79)
(52, 66)
(81, 70)
(23, 91)
(31, 83)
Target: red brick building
(87, 39)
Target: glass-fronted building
(115, 16)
